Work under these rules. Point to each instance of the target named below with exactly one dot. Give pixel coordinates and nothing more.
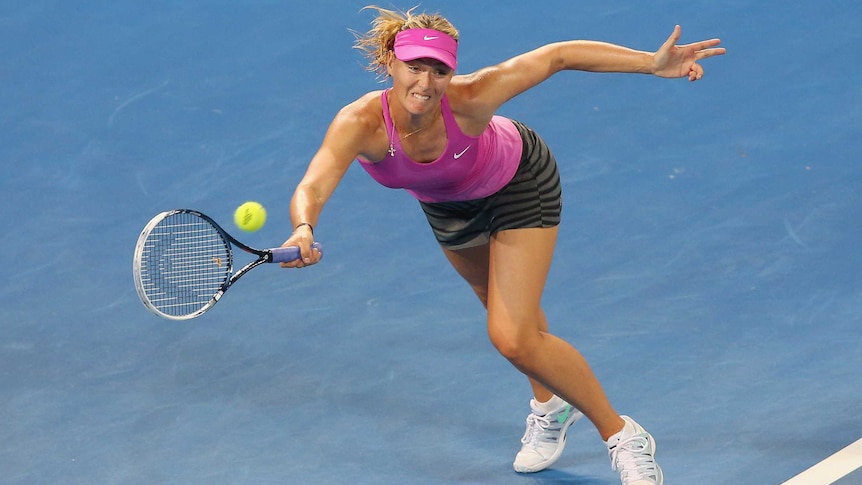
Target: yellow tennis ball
(250, 216)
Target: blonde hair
(376, 44)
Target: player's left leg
(518, 268)
(519, 263)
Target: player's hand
(675, 61)
(302, 237)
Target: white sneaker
(632, 453)
(545, 437)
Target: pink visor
(412, 44)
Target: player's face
(419, 84)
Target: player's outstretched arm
(491, 87)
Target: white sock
(615, 439)
(543, 408)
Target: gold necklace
(408, 134)
(400, 137)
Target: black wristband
(310, 227)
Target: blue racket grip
(291, 253)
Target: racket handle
(291, 253)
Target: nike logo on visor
(430, 37)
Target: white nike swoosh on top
(458, 155)
(430, 37)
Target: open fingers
(703, 54)
(705, 48)
(673, 39)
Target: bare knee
(518, 346)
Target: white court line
(831, 469)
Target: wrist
(304, 224)
(648, 64)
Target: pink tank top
(469, 168)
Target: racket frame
(263, 256)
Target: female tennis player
(490, 189)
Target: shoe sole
(573, 418)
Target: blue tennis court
(708, 265)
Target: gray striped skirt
(533, 198)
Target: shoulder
(479, 94)
(358, 129)
(365, 112)
(469, 100)
(468, 88)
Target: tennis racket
(184, 263)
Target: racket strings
(184, 262)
